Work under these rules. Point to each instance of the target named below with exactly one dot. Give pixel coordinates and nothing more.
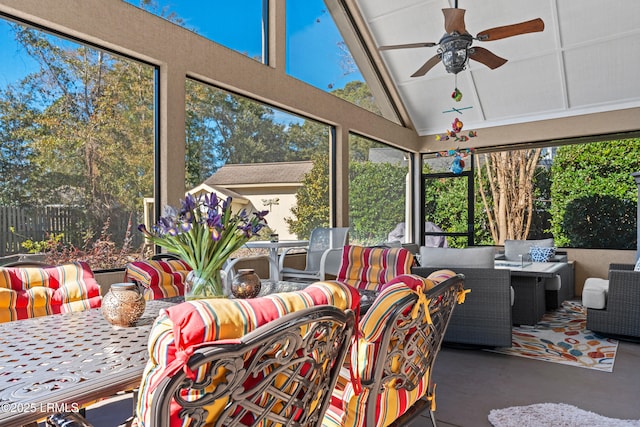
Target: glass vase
(200, 286)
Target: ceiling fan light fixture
(455, 52)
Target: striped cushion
(162, 279)
(370, 268)
(27, 292)
(182, 327)
(348, 408)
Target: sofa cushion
(594, 293)
(27, 292)
(480, 257)
(161, 279)
(180, 329)
(514, 248)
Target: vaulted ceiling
(585, 61)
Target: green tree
(225, 128)
(590, 171)
(508, 203)
(376, 200)
(16, 153)
(312, 199)
(80, 117)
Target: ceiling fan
(454, 48)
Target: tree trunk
(506, 188)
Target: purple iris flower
(214, 220)
(260, 215)
(188, 204)
(226, 203)
(246, 229)
(167, 226)
(211, 201)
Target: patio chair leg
(433, 418)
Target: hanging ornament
(457, 124)
(454, 132)
(457, 166)
(456, 95)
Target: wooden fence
(35, 224)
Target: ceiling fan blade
(454, 20)
(533, 26)
(427, 66)
(408, 46)
(489, 59)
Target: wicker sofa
(484, 319)
(613, 305)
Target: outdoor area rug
(561, 337)
(553, 414)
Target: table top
(278, 244)
(65, 361)
(531, 268)
(62, 362)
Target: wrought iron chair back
(282, 373)
(413, 338)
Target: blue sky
(312, 38)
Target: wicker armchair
(621, 315)
(401, 335)
(485, 319)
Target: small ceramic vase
(246, 284)
(123, 305)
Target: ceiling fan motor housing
(454, 51)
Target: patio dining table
(63, 362)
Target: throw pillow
(637, 267)
(514, 248)
(541, 253)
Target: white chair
(230, 266)
(323, 255)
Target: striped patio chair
(161, 278)
(371, 267)
(27, 292)
(388, 376)
(181, 329)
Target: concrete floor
(471, 382)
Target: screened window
(266, 158)
(235, 24)
(77, 141)
(317, 54)
(582, 195)
(378, 192)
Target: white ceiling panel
(513, 91)
(612, 20)
(585, 86)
